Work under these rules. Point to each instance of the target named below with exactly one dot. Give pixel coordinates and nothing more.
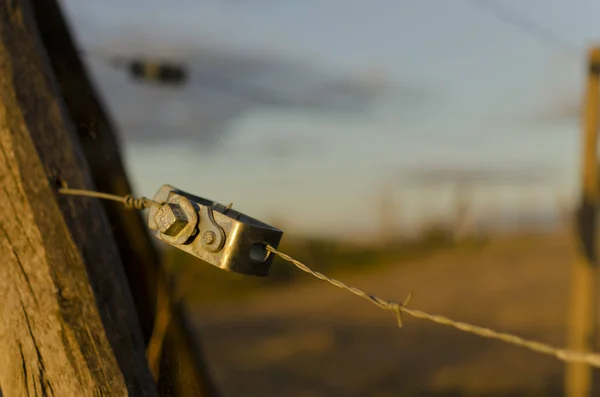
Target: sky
(436, 84)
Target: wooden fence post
(67, 319)
(41, 21)
(584, 271)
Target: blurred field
(312, 339)
(334, 257)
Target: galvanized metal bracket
(213, 232)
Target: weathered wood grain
(67, 321)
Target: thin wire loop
(129, 201)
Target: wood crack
(41, 376)
(18, 260)
(24, 368)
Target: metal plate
(245, 238)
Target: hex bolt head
(170, 219)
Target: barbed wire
(401, 308)
(566, 355)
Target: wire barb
(397, 308)
(565, 355)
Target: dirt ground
(316, 340)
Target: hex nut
(170, 219)
(176, 220)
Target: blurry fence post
(584, 273)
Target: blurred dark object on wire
(169, 73)
(163, 72)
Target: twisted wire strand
(565, 355)
(129, 201)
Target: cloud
(227, 83)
